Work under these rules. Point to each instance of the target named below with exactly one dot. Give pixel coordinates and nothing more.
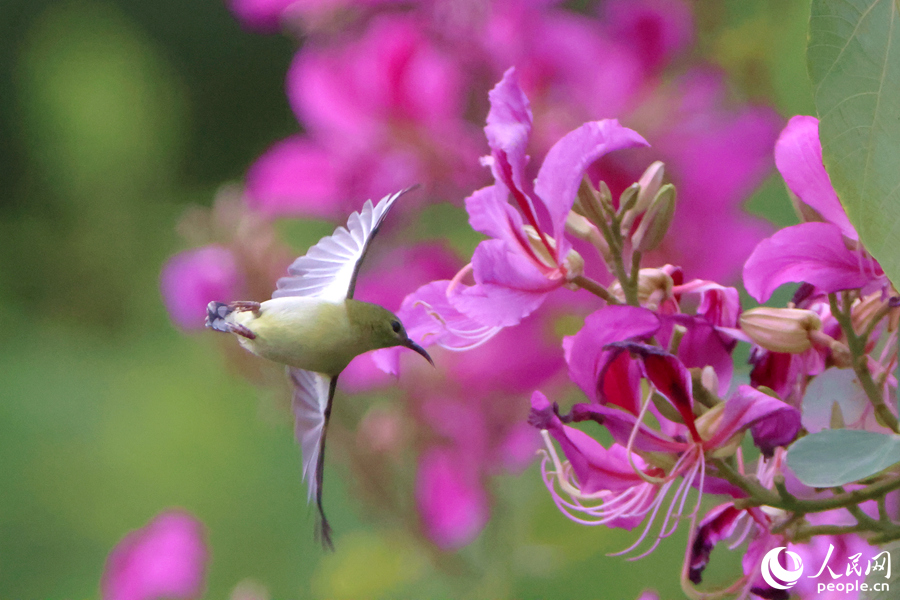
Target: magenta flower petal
(703, 345)
(194, 278)
(809, 252)
(719, 305)
(295, 177)
(510, 286)
(596, 467)
(669, 376)
(509, 128)
(564, 166)
(165, 559)
(620, 424)
(589, 366)
(798, 156)
(717, 525)
(452, 503)
(774, 422)
(619, 381)
(494, 263)
(491, 213)
(496, 305)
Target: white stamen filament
(633, 435)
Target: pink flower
(606, 492)
(268, 16)
(575, 69)
(165, 559)
(192, 279)
(296, 176)
(658, 28)
(824, 254)
(380, 110)
(604, 487)
(452, 502)
(528, 256)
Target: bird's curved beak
(418, 349)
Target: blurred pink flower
(452, 502)
(657, 29)
(268, 16)
(165, 559)
(192, 279)
(295, 176)
(264, 15)
(380, 111)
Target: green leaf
(839, 456)
(853, 58)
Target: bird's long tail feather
(323, 532)
(215, 316)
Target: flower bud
(629, 197)
(781, 329)
(649, 185)
(580, 227)
(593, 204)
(656, 221)
(865, 309)
(654, 286)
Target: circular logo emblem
(775, 574)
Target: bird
(313, 325)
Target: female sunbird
(313, 325)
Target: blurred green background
(116, 116)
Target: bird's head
(385, 328)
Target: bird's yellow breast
(307, 333)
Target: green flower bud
(656, 220)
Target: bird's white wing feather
(328, 270)
(310, 402)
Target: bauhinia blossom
(528, 255)
(645, 462)
(825, 251)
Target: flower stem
(595, 288)
(857, 346)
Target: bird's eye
(396, 326)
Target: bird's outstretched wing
(329, 269)
(313, 394)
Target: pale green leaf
(839, 456)
(853, 58)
